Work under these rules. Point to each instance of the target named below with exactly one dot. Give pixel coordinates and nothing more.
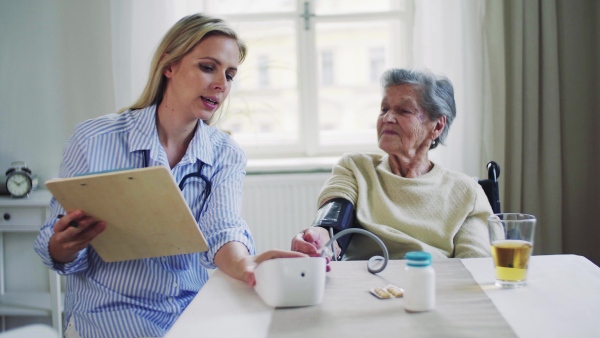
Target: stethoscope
(208, 184)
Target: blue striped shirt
(142, 298)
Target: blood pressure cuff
(337, 214)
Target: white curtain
(452, 38)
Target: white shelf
(37, 198)
(19, 215)
(24, 214)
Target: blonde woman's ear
(167, 70)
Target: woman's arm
(472, 239)
(62, 247)
(341, 184)
(235, 260)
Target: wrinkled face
(403, 127)
(200, 81)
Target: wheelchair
(490, 186)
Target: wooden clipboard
(144, 210)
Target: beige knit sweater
(442, 212)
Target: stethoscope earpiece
(375, 264)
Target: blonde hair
(178, 41)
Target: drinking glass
(511, 238)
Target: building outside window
(314, 105)
(326, 68)
(263, 71)
(377, 63)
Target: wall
(278, 206)
(55, 71)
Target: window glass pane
(359, 52)
(263, 103)
(376, 63)
(326, 68)
(328, 7)
(250, 6)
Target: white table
(562, 299)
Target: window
(300, 113)
(310, 83)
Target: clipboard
(146, 214)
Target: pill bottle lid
(418, 258)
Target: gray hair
(436, 94)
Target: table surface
(562, 299)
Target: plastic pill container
(419, 288)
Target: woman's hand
(234, 260)
(72, 233)
(311, 241)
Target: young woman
(191, 75)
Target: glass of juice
(511, 238)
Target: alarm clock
(19, 180)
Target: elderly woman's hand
(311, 241)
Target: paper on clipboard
(144, 210)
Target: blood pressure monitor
(19, 180)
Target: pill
(381, 293)
(395, 290)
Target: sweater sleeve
(342, 183)
(472, 239)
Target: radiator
(278, 206)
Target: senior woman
(408, 201)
